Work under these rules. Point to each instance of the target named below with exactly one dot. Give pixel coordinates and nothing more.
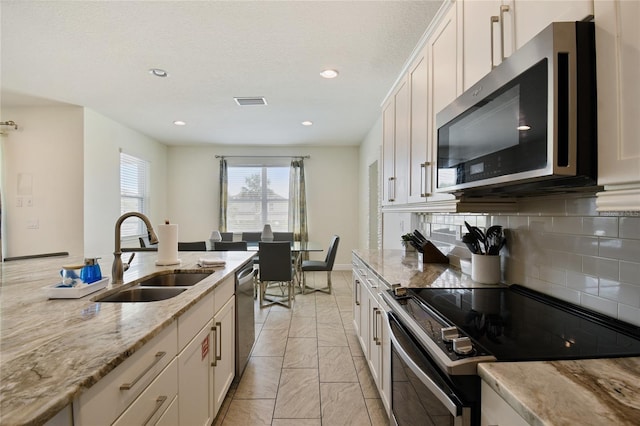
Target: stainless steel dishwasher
(245, 319)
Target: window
(133, 193)
(257, 195)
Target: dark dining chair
(230, 246)
(320, 265)
(251, 237)
(283, 236)
(227, 236)
(192, 246)
(275, 277)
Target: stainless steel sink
(142, 294)
(173, 279)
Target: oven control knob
(462, 346)
(449, 333)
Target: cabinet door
(224, 351)
(388, 151)
(532, 16)
(618, 62)
(480, 33)
(418, 81)
(195, 379)
(445, 82)
(357, 300)
(403, 117)
(385, 357)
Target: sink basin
(141, 294)
(174, 279)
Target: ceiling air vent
(250, 101)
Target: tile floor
(306, 367)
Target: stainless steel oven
(439, 335)
(420, 392)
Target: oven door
(420, 392)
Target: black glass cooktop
(517, 324)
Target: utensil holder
(485, 269)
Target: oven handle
(453, 408)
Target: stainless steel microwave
(530, 124)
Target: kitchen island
(51, 351)
(585, 392)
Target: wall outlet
(19, 202)
(29, 202)
(458, 233)
(33, 224)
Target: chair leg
(307, 290)
(267, 299)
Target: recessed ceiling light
(180, 123)
(524, 127)
(158, 72)
(329, 73)
(307, 123)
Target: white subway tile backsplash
(583, 283)
(629, 314)
(623, 293)
(567, 225)
(562, 247)
(601, 267)
(630, 228)
(630, 272)
(600, 226)
(599, 304)
(621, 249)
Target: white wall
(332, 192)
(369, 153)
(47, 151)
(103, 140)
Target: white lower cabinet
(195, 381)
(154, 401)
(224, 351)
(180, 377)
(105, 401)
(495, 411)
(372, 329)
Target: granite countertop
(52, 350)
(584, 392)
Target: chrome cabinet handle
(219, 357)
(424, 182)
(371, 284)
(503, 9)
(215, 345)
(375, 326)
(493, 20)
(355, 290)
(159, 401)
(158, 357)
(378, 312)
(391, 189)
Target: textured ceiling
(97, 54)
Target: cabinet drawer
(105, 401)
(154, 401)
(224, 292)
(194, 319)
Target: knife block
(431, 254)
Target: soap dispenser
(90, 272)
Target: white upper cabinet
(445, 85)
(494, 29)
(395, 146)
(618, 65)
(419, 129)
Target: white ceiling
(97, 54)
